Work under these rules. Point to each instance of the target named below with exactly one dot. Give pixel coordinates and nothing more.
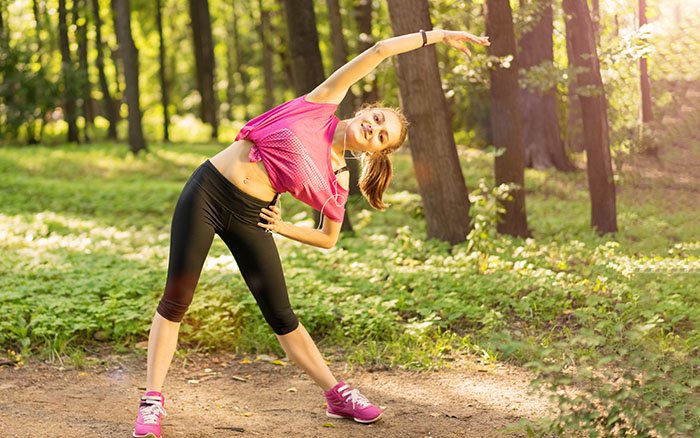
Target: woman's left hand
(273, 216)
(457, 39)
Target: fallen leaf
(292, 390)
(208, 370)
(193, 381)
(279, 362)
(265, 357)
(240, 379)
(247, 414)
(143, 345)
(328, 425)
(245, 360)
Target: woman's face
(373, 130)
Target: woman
(296, 147)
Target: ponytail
(374, 180)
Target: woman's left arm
(333, 89)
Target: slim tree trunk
(80, 9)
(506, 123)
(645, 85)
(163, 81)
(69, 105)
(595, 122)
(37, 20)
(544, 147)
(129, 55)
(346, 107)
(242, 75)
(363, 18)
(263, 29)
(107, 101)
(574, 121)
(204, 60)
(439, 175)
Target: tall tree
(506, 123)
(235, 64)
(363, 18)
(68, 73)
(346, 107)
(130, 57)
(263, 30)
(645, 86)
(574, 121)
(595, 122)
(80, 20)
(544, 147)
(163, 81)
(204, 62)
(110, 109)
(440, 180)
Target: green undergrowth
(84, 238)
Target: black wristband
(425, 38)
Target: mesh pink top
(293, 140)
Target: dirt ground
(227, 395)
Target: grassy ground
(85, 243)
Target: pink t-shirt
(293, 140)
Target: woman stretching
(297, 147)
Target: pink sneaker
(344, 402)
(150, 412)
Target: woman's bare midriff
(250, 177)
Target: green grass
(85, 242)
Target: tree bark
(69, 105)
(263, 30)
(80, 8)
(347, 106)
(574, 121)
(544, 147)
(645, 86)
(107, 101)
(129, 55)
(238, 67)
(163, 80)
(363, 18)
(204, 60)
(593, 109)
(506, 123)
(440, 180)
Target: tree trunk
(595, 122)
(541, 137)
(363, 18)
(595, 19)
(37, 20)
(347, 106)
(163, 81)
(204, 60)
(645, 86)
(439, 175)
(574, 121)
(80, 8)
(263, 29)
(69, 105)
(242, 75)
(129, 55)
(506, 123)
(107, 101)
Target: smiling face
(373, 130)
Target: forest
(543, 212)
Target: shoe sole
(328, 414)
(148, 435)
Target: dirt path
(203, 399)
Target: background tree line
(134, 68)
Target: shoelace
(150, 413)
(355, 397)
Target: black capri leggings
(208, 204)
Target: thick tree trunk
(363, 18)
(204, 60)
(645, 86)
(107, 101)
(506, 123)
(263, 29)
(439, 175)
(347, 106)
(163, 81)
(80, 8)
(544, 147)
(129, 55)
(574, 120)
(595, 122)
(69, 105)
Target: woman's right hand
(457, 39)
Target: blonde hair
(377, 170)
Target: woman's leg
(162, 342)
(259, 262)
(302, 350)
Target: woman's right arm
(333, 89)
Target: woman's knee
(282, 322)
(177, 298)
